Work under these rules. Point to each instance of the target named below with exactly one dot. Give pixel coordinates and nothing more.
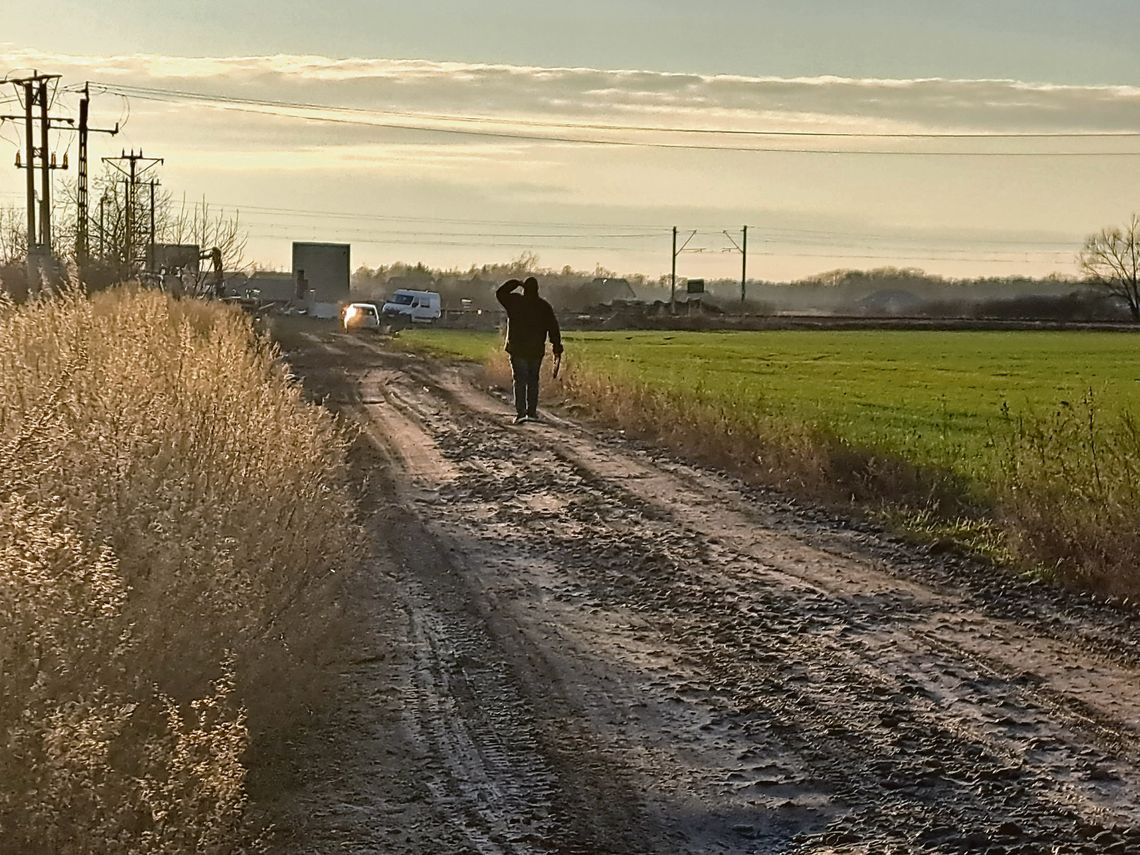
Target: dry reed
(173, 523)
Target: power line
(599, 248)
(491, 245)
(467, 239)
(445, 220)
(768, 233)
(140, 91)
(261, 108)
(401, 218)
(764, 234)
(574, 236)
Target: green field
(1018, 444)
(934, 397)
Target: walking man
(530, 319)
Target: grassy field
(935, 396)
(949, 422)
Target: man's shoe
(519, 420)
(533, 417)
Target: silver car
(361, 316)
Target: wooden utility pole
(81, 185)
(30, 148)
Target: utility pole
(81, 185)
(30, 145)
(673, 275)
(151, 259)
(45, 169)
(82, 237)
(742, 248)
(34, 92)
(743, 267)
(137, 165)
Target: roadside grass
(1019, 447)
(174, 521)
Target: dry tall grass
(1072, 492)
(173, 520)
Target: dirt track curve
(573, 644)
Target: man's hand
(506, 288)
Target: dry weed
(174, 521)
(1071, 492)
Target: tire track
(762, 679)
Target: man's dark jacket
(529, 321)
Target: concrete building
(321, 271)
(264, 285)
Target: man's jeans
(526, 372)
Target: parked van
(419, 306)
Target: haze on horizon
(447, 199)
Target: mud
(569, 643)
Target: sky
(437, 159)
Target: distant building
(173, 257)
(322, 271)
(264, 285)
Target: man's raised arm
(505, 289)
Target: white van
(420, 306)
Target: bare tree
(13, 236)
(1110, 260)
(200, 224)
(114, 236)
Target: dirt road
(572, 644)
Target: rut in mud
(573, 644)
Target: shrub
(1070, 493)
(173, 521)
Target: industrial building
(321, 273)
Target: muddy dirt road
(572, 644)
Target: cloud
(645, 97)
(803, 205)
